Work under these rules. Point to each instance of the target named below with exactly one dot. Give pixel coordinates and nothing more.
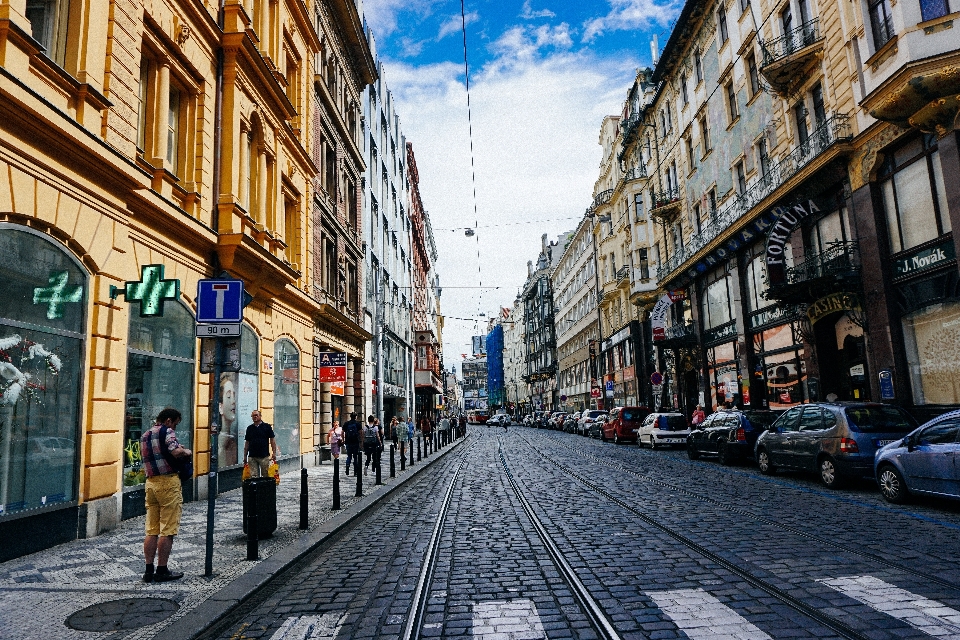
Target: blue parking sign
(219, 301)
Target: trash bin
(266, 505)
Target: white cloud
(630, 15)
(536, 122)
(522, 42)
(527, 13)
(454, 24)
(381, 15)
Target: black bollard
(336, 484)
(304, 513)
(253, 539)
(418, 449)
(403, 457)
(393, 463)
(411, 454)
(359, 493)
(376, 462)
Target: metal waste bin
(266, 505)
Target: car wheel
(723, 455)
(828, 473)
(692, 453)
(763, 461)
(603, 438)
(653, 442)
(892, 485)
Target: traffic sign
(609, 385)
(656, 378)
(218, 330)
(595, 393)
(220, 301)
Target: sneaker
(167, 576)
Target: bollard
(253, 540)
(411, 454)
(376, 462)
(393, 464)
(336, 484)
(418, 449)
(403, 457)
(304, 513)
(359, 493)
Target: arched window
(161, 354)
(286, 397)
(239, 396)
(42, 329)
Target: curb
(218, 606)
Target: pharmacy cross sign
(150, 291)
(57, 294)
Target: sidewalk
(40, 591)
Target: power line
(507, 224)
(473, 170)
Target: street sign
(332, 368)
(218, 330)
(609, 385)
(595, 392)
(656, 378)
(220, 301)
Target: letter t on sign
(221, 290)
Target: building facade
(474, 372)
(540, 352)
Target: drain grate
(128, 613)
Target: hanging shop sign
(332, 369)
(151, 291)
(786, 220)
(925, 259)
(886, 385)
(658, 316)
(834, 302)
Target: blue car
(924, 462)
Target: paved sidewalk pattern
(40, 591)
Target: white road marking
(702, 617)
(323, 627)
(507, 618)
(929, 616)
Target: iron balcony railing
(839, 257)
(634, 173)
(796, 39)
(623, 272)
(602, 198)
(680, 331)
(835, 129)
(666, 197)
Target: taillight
(848, 445)
(741, 435)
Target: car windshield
(596, 414)
(632, 415)
(880, 419)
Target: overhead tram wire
(473, 169)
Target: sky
(543, 75)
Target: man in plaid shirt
(164, 495)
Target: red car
(623, 422)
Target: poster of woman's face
(227, 450)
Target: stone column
(349, 392)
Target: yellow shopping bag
(246, 473)
(274, 470)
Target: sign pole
(212, 480)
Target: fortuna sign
(787, 220)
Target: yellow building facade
(144, 147)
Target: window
(762, 158)
(732, 102)
(755, 281)
(48, 22)
(712, 201)
(643, 264)
(930, 9)
(704, 135)
(696, 217)
(912, 186)
(722, 23)
(689, 142)
(819, 109)
(173, 130)
(697, 66)
(881, 22)
(142, 113)
(239, 396)
(752, 74)
(43, 355)
(683, 89)
(744, 5)
(741, 177)
(800, 119)
(160, 366)
(330, 265)
(286, 397)
(717, 305)
(638, 204)
(291, 230)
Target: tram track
(846, 548)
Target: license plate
(673, 440)
(882, 443)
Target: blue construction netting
(495, 392)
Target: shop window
(722, 374)
(239, 396)
(160, 368)
(914, 197)
(286, 397)
(42, 332)
(829, 230)
(933, 353)
(717, 303)
(930, 9)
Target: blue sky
(542, 77)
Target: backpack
(352, 432)
(371, 434)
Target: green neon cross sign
(57, 294)
(150, 291)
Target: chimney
(529, 268)
(654, 50)
(543, 244)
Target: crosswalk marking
(702, 617)
(507, 619)
(323, 627)
(929, 616)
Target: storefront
(617, 365)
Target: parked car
(924, 462)
(663, 429)
(556, 420)
(587, 420)
(623, 423)
(836, 439)
(730, 435)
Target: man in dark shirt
(351, 437)
(259, 435)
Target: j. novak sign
(925, 259)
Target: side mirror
(910, 443)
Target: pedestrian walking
(394, 430)
(259, 441)
(372, 443)
(698, 416)
(351, 438)
(410, 429)
(164, 495)
(335, 438)
(444, 430)
(463, 425)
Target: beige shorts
(164, 505)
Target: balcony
(636, 173)
(678, 335)
(836, 129)
(623, 275)
(629, 128)
(837, 268)
(602, 198)
(785, 58)
(666, 204)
